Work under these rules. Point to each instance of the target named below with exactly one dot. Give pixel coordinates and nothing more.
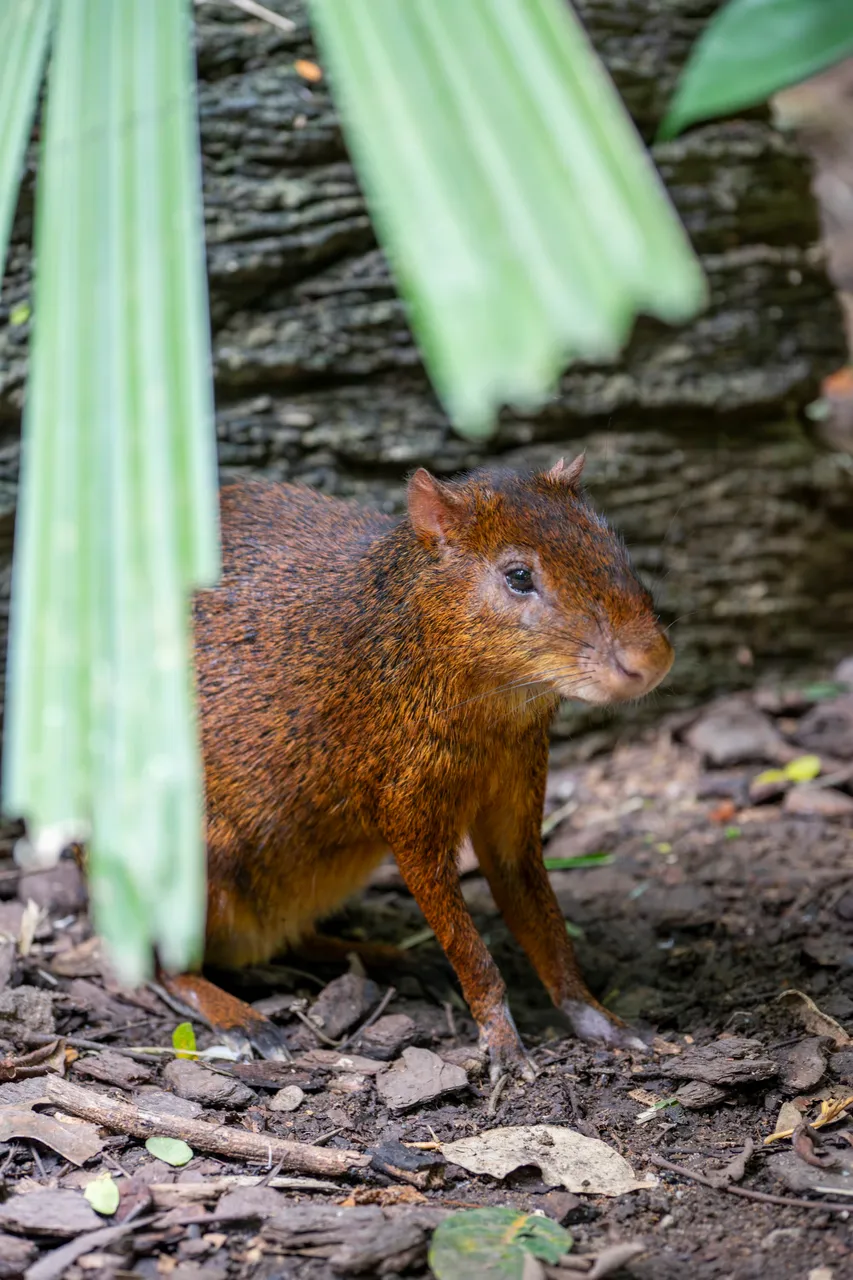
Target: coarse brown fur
(368, 683)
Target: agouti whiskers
(501, 688)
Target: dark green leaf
(492, 1243)
(751, 49)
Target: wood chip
(419, 1076)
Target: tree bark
(697, 446)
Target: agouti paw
(594, 1025)
(507, 1055)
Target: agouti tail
(369, 683)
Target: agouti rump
(369, 683)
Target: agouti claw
(507, 1056)
(595, 1025)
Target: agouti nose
(634, 670)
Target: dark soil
(722, 894)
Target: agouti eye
(520, 581)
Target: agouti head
(540, 587)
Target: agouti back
(368, 683)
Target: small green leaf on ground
(649, 1114)
(170, 1150)
(820, 690)
(578, 861)
(494, 1243)
(732, 833)
(768, 776)
(803, 769)
(183, 1040)
(664, 847)
(20, 314)
(102, 1194)
(574, 930)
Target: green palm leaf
(525, 223)
(117, 516)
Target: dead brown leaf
(814, 1019)
(76, 1143)
(48, 1057)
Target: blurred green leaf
(494, 1243)
(751, 49)
(171, 1151)
(20, 314)
(821, 690)
(102, 1194)
(183, 1040)
(117, 519)
(803, 769)
(24, 37)
(524, 222)
(578, 861)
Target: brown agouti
(369, 683)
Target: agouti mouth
(621, 672)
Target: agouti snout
(368, 684)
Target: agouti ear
(433, 507)
(567, 475)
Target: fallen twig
(374, 1017)
(78, 1042)
(763, 1196)
(173, 1195)
(240, 1144)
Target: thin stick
(172, 1195)
(321, 1035)
(763, 1196)
(239, 1144)
(78, 1042)
(262, 12)
(374, 1017)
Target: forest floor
(720, 900)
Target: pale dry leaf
(814, 1019)
(567, 1158)
(29, 923)
(614, 1258)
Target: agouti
(369, 683)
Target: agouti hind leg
(236, 1022)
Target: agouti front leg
(507, 840)
(429, 870)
